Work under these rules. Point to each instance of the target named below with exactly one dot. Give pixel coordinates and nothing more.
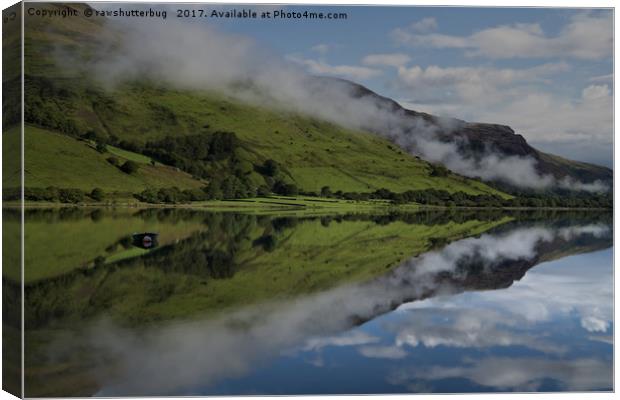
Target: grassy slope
(315, 153)
(576, 168)
(58, 160)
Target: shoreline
(284, 204)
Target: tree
(213, 190)
(270, 168)
(97, 194)
(129, 167)
(326, 191)
(148, 196)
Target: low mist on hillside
(195, 56)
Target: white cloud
(474, 81)
(321, 48)
(520, 98)
(424, 25)
(594, 92)
(533, 101)
(586, 36)
(602, 78)
(320, 67)
(390, 59)
(545, 117)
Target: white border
(480, 3)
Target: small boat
(146, 240)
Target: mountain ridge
(481, 136)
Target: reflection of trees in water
(193, 256)
(424, 216)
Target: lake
(229, 304)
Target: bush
(130, 167)
(194, 195)
(148, 196)
(97, 194)
(113, 161)
(439, 170)
(99, 261)
(101, 147)
(90, 135)
(70, 195)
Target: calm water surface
(242, 304)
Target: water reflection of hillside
(258, 306)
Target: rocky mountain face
(476, 140)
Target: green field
(128, 155)
(57, 160)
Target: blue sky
(545, 72)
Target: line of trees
(54, 194)
(437, 197)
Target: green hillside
(310, 153)
(53, 159)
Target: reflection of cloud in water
(191, 354)
(466, 328)
(584, 290)
(511, 317)
(389, 352)
(596, 230)
(354, 338)
(520, 374)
